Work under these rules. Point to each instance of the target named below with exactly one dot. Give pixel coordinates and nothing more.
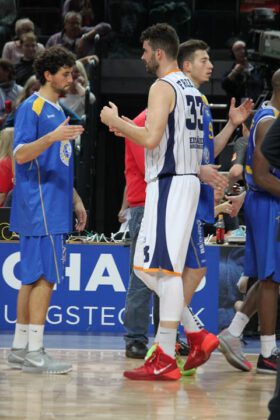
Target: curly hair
(52, 59)
(162, 36)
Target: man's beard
(61, 91)
(152, 67)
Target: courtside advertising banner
(91, 297)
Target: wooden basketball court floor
(96, 389)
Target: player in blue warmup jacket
(42, 205)
(262, 250)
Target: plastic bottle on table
(220, 230)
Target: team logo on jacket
(65, 152)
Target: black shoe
(182, 347)
(136, 350)
(268, 364)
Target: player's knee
(150, 280)
(171, 298)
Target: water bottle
(220, 230)
(8, 106)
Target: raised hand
(210, 175)
(108, 113)
(236, 202)
(225, 207)
(66, 132)
(238, 115)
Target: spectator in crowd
(6, 163)
(222, 205)
(9, 90)
(81, 6)
(13, 49)
(243, 80)
(24, 69)
(77, 38)
(32, 85)
(75, 97)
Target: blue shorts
(262, 250)
(196, 257)
(42, 256)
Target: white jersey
(180, 149)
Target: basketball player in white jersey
(173, 138)
(194, 61)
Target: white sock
(167, 340)
(36, 333)
(268, 343)
(21, 336)
(190, 321)
(156, 340)
(238, 324)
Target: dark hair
(162, 36)
(7, 66)
(52, 59)
(188, 48)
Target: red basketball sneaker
(201, 343)
(158, 366)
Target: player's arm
(236, 203)
(236, 117)
(160, 103)
(124, 207)
(209, 174)
(28, 151)
(80, 212)
(261, 167)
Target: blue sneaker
(237, 236)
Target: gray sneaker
(39, 362)
(230, 346)
(16, 358)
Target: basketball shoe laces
(153, 361)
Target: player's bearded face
(62, 80)
(61, 85)
(60, 88)
(152, 64)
